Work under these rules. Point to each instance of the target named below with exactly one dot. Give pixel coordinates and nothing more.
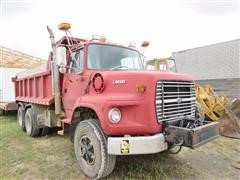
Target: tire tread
(35, 129)
(107, 161)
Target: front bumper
(174, 134)
(137, 145)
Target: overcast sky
(169, 25)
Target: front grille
(175, 99)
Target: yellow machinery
(209, 104)
(229, 121)
(161, 64)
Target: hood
(141, 75)
(125, 81)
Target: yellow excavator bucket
(220, 109)
(210, 102)
(229, 122)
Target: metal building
(216, 64)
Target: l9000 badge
(119, 82)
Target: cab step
(66, 120)
(63, 122)
(61, 132)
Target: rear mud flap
(192, 136)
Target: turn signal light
(140, 88)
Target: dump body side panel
(35, 88)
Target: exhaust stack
(55, 74)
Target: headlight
(114, 115)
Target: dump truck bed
(35, 85)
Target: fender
(86, 102)
(101, 105)
(21, 104)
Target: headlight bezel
(112, 115)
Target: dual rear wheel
(32, 129)
(20, 118)
(27, 121)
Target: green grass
(52, 157)
(157, 166)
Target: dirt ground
(52, 157)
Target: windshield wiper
(120, 67)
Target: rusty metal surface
(194, 137)
(230, 120)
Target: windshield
(109, 57)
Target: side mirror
(61, 57)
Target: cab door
(72, 85)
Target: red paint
(35, 88)
(138, 109)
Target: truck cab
(110, 79)
(111, 105)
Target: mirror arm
(68, 67)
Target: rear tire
(90, 144)
(44, 131)
(31, 123)
(20, 118)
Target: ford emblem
(179, 100)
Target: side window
(76, 61)
(162, 65)
(172, 65)
(150, 67)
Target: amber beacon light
(64, 26)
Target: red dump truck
(110, 105)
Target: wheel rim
(20, 118)
(28, 124)
(87, 150)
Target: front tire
(90, 144)
(31, 123)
